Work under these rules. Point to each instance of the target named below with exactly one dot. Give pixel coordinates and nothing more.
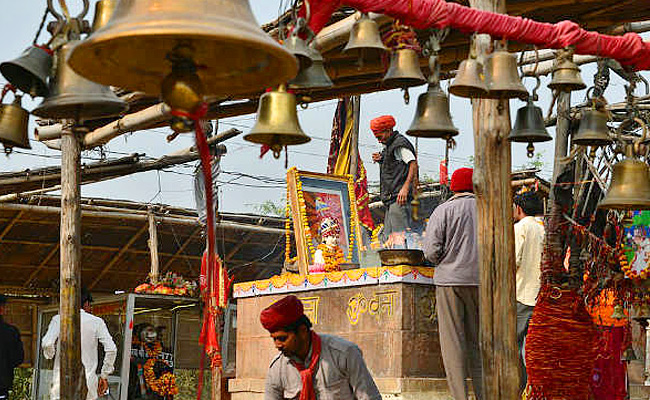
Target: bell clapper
(8, 150)
(592, 152)
(530, 149)
(182, 89)
(407, 97)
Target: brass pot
(393, 257)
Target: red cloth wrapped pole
(630, 50)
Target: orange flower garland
(333, 257)
(165, 384)
(627, 268)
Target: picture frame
(314, 196)
(635, 261)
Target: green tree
(269, 208)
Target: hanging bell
(103, 12)
(432, 118)
(566, 77)
(313, 77)
(365, 39)
(74, 97)
(29, 71)
(404, 70)
(593, 130)
(223, 39)
(628, 354)
(529, 126)
(469, 81)
(501, 77)
(298, 47)
(13, 125)
(277, 122)
(629, 189)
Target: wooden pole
(495, 235)
(354, 140)
(70, 299)
(153, 247)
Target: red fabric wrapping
(630, 50)
(382, 123)
(560, 347)
(609, 375)
(307, 374)
(444, 173)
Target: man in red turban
(450, 244)
(309, 363)
(398, 175)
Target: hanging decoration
(635, 246)
(630, 49)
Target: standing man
(398, 174)
(312, 366)
(11, 352)
(93, 330)
(529, 245)
(450, 244)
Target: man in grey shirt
(450, 244)
(312, 366)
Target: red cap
(382, 123)
(461, 180)
(281, 314)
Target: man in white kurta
(93, 331)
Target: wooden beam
(42, 265)
(495, 236)
(237, 247)
(10, 225)
(153, 248)
(117, 257)
(181, 248)
(71, 382)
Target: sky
(247, 180)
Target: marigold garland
(333, 257)
(165, 384)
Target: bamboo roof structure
(115, 252)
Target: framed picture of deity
(325, 220)
(635, 258)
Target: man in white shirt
(529, 245)
(93, 330)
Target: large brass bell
(313, 77)
(502, 78)
(629, 188)
(277, 122)
(593, 130)
(628, 354)
(469, 81)
(232, 54)
(529, 126)
(566, 77)
(29, 72)
(298, 46)
(432, 118)
(13, 125)
(103, 12)
(404, 70)
(365, 39)
(74, 97)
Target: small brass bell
(235, 56)
(103, 12)
(529, 126)
(469, 81)
(566, 77)
(74, 97)
(298, 47)
(618, 312)
(365, 39)
(629, 188)
(501, 77)
(432, 118)
(277, 122)
(13, 125)
(313, 77)
(593, 130)
(29, 71)
(628, 354)
(404, 70)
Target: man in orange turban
(398, 174)
(310, 363)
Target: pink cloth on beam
(630, 50)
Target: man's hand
(402, 196)
(376, 157)
(102, 386)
